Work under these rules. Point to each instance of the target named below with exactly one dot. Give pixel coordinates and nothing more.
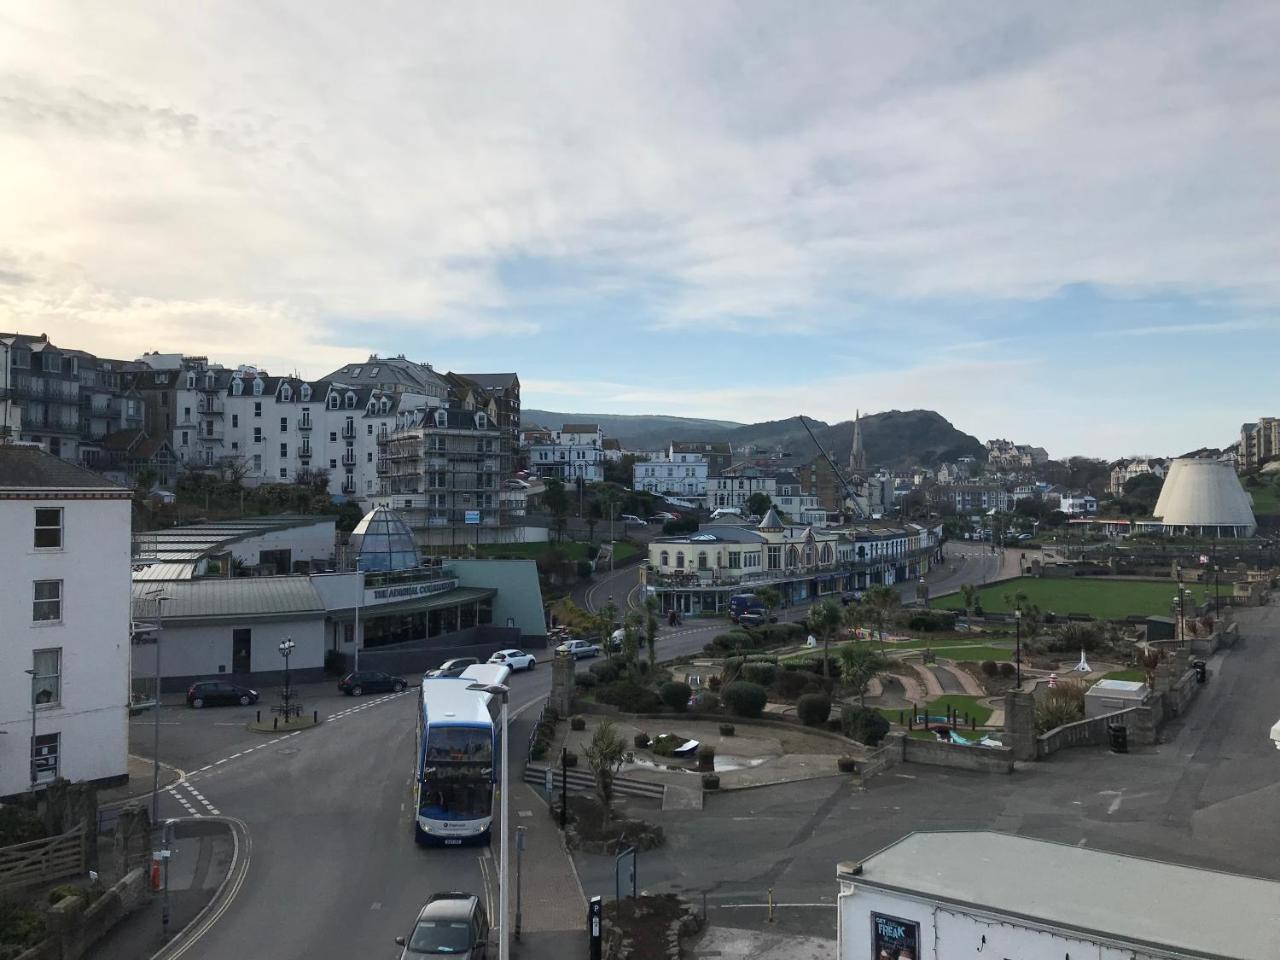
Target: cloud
(1173, 329)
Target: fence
(581, 781)
(43, 861)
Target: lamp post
(1017, 651)
(504, 941)
(34, 676)
(286, 649)
(159, 598)
(355, 631)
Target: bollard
(275, 723)
(771, 904)
(315, 716)
(259, 716)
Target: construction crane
(848, 488)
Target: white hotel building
(64, 662)
(679, 474)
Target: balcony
(348, 485)
(210, 407)
(304, 450)
(348, 458)
(349, 430)
(304, 424)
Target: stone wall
(939, 754)
(74, 929)
(1020, 725)
(419, 655)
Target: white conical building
(1203, 498)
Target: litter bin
(1118, 735)
(1202, 670)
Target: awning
(416, 605)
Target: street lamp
(285, 647)
(1017, 652)
(355, 632)
(34, 676)
(159, 598)
(504, 941)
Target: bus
(456, 753)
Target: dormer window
(333, 401)
(237, 387)
(482, 422)
(257, 386)
(285, 393)
(351, 401)
(386, 404)
(356, 371)
(306, 392)
(191, 381)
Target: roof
(611, 443)
(580, 428)
(449, 907)
(237, 598)
(30, 468)
(1188, 911)
(391, 370)
(717, 533)
(1202, 493)
(771, 520)
(428, 602)
(493, 381)
(205, 539)
(701, 446)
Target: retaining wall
(939, 754)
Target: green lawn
(1107, 600)
(976, 654)
(1139, 676)
(938, 708)
(1266, 498)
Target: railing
(348, 458)
(349, 485)
(304, 450)
(42, 861)
(305, 423)
(349, 431)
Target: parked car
(851, 596)
(752, 618)
(370, 681)
(213, 693)
(631, 520)
(451, 668)
(667, 515)
(515, 659)
(449, 924)
(579, 649)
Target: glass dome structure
(382, 541)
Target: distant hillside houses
(1122, 471)
(577, 451)
(1004, 454)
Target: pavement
(553, 918)
(141, 778)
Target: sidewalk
(553, 911)
(141, 773)
(201, 858)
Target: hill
(894, 438)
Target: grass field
(1105, 599)
(976, 654)
(1139, 676)
(1266, 498)
(938, 708)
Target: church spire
(857, 457)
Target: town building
(737, 486)
(698, 572)
(679, 472)
(1045, 900)
(574, 452)
(1259, 442)
(717, 453)
(382, 605)
(971, 498)
(1078, 504)
(1122, 471)
(44, 382)
(1201, 498)
(1006, 455)
(799, 506)
(64, 662)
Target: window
(284, 473)
(333, 401)
(237, 387)
(702, 560)
(679, 560)
(373, 372)
(284, 424)
(257, 408)
(46, 685)
(235, 444)
(257, 463)
(664, 558)
(191, 381)
(185, 435)
(306, 393)
(235, 420)
(257, 388)
(333, 436)
(356, 371)
(47, 605)
(48, 528)
(735, 559)
(351, 401)
(369, 429)
(257, 435)
(369, 455)
(284, 450)
(285, 393)
(44, 757)
(333, 464)
(186, 413)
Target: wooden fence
(43, 861)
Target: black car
(213, 693)
(451, 668)
(450, 924)
(370, 681)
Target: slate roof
(30, 468)
(580, 428)
(493, 381)
(238, 597)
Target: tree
(605, 755)
(824, 620)
(557, 503)
(881, 601)
(770, 598)
(969, 596)
(632, 624)
(759, 503)
(651, 630)
(605, 621)
(859, 664)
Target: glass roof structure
(382, 541)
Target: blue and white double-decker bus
(457, 759)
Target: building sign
(894, 939)
(408, 591)
(471, 516)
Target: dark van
(740, 603)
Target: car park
(515, 659)
(449, 924)
(213, 693)
(579, 649)
(370, 681)
(451, 668)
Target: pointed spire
(857, 457)
(771, 521)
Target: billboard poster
(471, 516)
(894, 939)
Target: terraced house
(699, 572)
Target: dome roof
(382, 541)
(1204, 493)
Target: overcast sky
(1058, 225)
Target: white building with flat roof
(64, 660)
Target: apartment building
(64, 664)
(575, 451)
(44, 381)
(679, 473)
(1259, 442)
(439, 469)
(800, 506)
(1122, 471)
(969, 498)
(1004, 454)
(735, 489)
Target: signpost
(595, 911)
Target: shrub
(630, 697)
(814, 666)
(64, 890)
(18, 825)
(675, 695)
(745, 699)
(989, 668)
(813, 709)
(706, 757)
(789, 684)
(578, 723)
(863, 724)
(1007, 669)
(584, 569)
(569, 759)
(666, 744)
(761, 673)
(607, 671)
(731, 669)
(586, 680)
(538, 751)
(707, 702)
(1057, 709)
(931, 620)
(641, 740)
(726, 729)
(846, 764)
(711, 781)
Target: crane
(848, 488)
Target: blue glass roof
(382, 541)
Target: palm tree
(632, 624)
(824, 620)
(859, 666)
(880, 602)
(605, 755)
(651, 630)
(605, 620)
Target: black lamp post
(34, 676)
(1017, 650)
(286, 648)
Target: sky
(1057, 224)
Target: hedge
(813, 709)
(675, 695)
(863, 724)
(745, 699)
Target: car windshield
(447, 937)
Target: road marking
(376, 905)
(765, 906)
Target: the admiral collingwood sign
(408, 591)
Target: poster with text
(894, 939)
